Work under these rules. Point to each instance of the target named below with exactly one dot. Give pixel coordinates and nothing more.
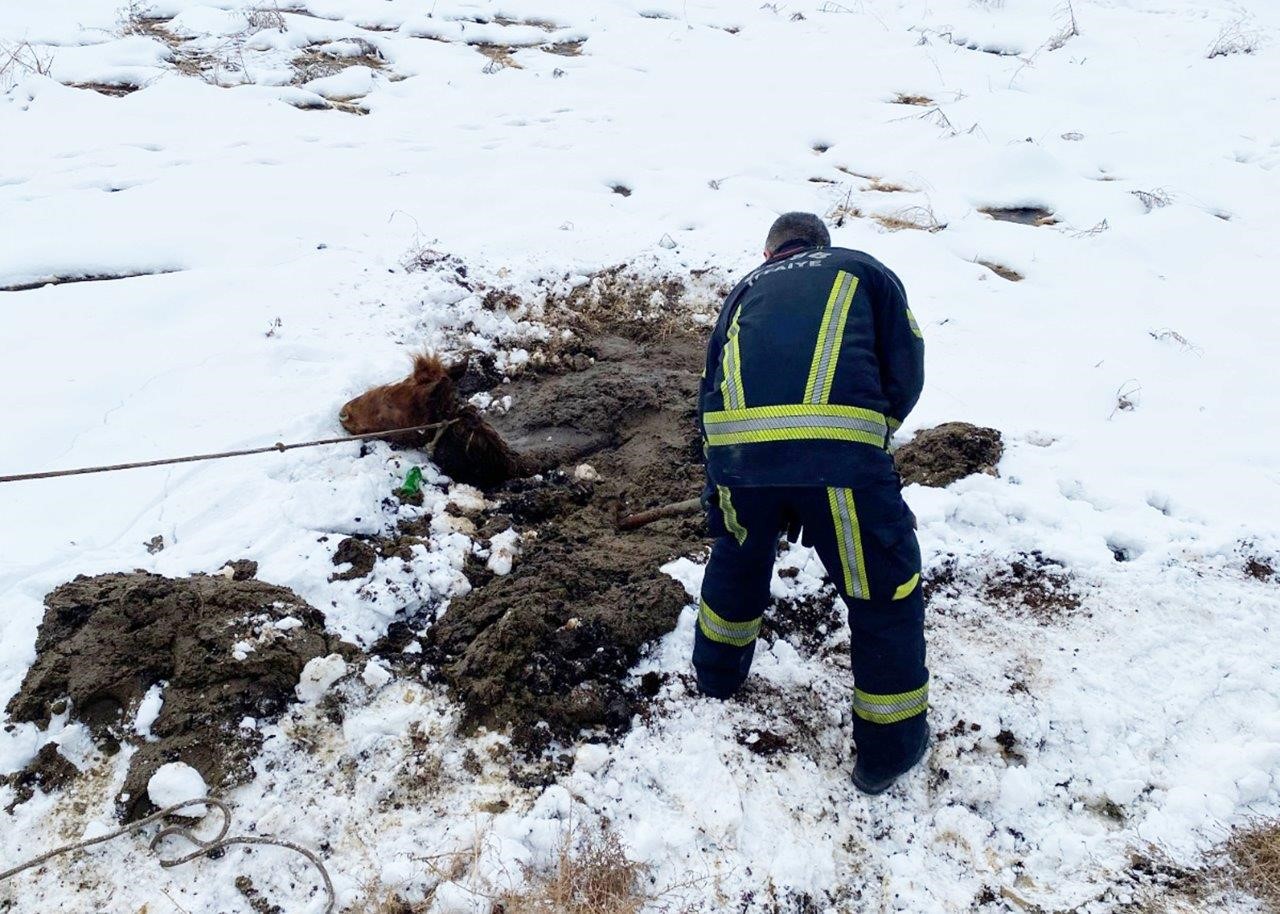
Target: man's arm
(715, 349)
(900, 348)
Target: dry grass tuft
(1153, 199)
(22, 59)
(1163, 886)
(591, 875)
(843, 211)
(644, 305)
(571, 48)
(500, 57)
(905, 98)
(1235, 38)
(384, 902)
(919, 218)
(1254, 852)
(880, 185)
(223, 64)
(319, 61)
(545, 24)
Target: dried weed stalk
(591, 875)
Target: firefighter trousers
(866, 540)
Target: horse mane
(469, 449)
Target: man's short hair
(793, 227)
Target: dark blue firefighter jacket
(813, 364)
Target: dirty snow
(318, 675)
(276, 223)
(175, 783)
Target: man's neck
(791, 247)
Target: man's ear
(459, 368)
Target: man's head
(796, 228)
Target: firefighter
(813, 364)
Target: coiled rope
(204, 846)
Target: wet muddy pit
(547, 648)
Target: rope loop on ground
(203, 846)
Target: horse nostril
(344, 416)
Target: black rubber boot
(874, 782)
(723, 693)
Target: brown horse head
(426, 396)
(468, 449)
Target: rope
(204, 847)
(278, 446)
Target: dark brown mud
(949, 452)
(106, 640)
(547, 647)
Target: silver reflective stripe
(908, 705)
(729, 634)
(734, 396)
(734, 426)
(738, 634)
(851, 545)
(831, 338)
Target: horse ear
(459, 368)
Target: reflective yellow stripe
(792, 422)
(720, 629)
(784, 410)
(731, 367)
(844, 516)
(908, 588)
(889, 709)
(796, 434)
(915, 327)
(731, 524)
(826, 352)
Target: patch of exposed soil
(763, 742)
(362, 552)
(115, 90)
(1259, 567)
(949, 452)
(806, 622)
(1002, 271)
(106, 640)
(48, 771)
(1029, 584)
(88, 277)
(1022, 215)
(553, 640)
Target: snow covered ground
(273, 197)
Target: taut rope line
(204, 847)
(278, 446)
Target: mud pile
(553, 640)
(951, 451)
(222, 649)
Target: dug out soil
(105, 641)
(547, 647)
